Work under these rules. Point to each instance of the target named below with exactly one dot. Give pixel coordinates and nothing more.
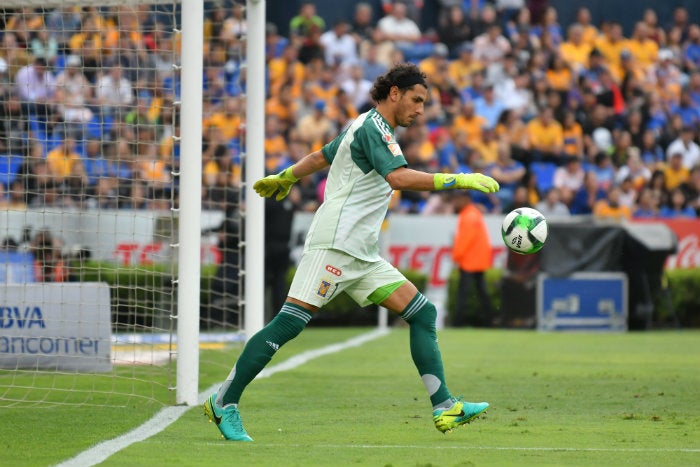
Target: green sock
(258, 351)
(420, 314)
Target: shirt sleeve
(378, 149)
(330, 149)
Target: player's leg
(311, 288)
(448, 411)
(222, 407)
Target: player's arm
(404, 178)
(282, 182)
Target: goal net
(90, 189)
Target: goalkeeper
(342, 254)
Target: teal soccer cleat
(462, 412)
(227, 419)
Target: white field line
(161, 420)
(470, 448)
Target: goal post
(145, 231)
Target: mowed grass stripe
(558, 399)
(169, 415)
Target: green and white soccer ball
(524, 230)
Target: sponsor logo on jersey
(333, 270)
(323, 288)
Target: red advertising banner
(688, 233)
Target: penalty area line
(168, 415)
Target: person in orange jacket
(471, 251)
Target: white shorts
(323, 274)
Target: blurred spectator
(36, 87)
(371, 66)
(587, 195)
(634, 169)
(643, 49)
(589, 31)
(656, 32)
(691, 51)
(568, 178)
(302, 24)
(396, 29)
(63, 22)
(576, 50)
(234, 26)
(413, 7)
(573, 136)
(512, 129)
(480, 20)
(113, 91)
(469, 122)
(508, 172)
(657, 184)
(471, 252)
(44, 45)
(691, 188)
(464, 67)
(66, 165)
(74, 96)
(357, 87)
(687, 110)
(675, 173)
(685, 145)
(628, 194)
(311, 50)
(454, 30)
(228, 119)
(150, 170)
(274, 43)
(314, 128)
(546, 137)
(549, 30)
(677, 206)
(611, 208)
(610, 44)
(276, 153)
(488, 107)
(647, 205)
(362, 26)
(339, 46)
(49, 265)
(551, 205)
(286, 69)
(491, 46)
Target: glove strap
(287, 174)
(444, 181)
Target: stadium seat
(9, 167)
(544, 171)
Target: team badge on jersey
(395, 149)
(323, 288)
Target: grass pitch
(557, 399)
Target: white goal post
(183, 307)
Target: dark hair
(404, 75)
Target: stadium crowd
(570, 119)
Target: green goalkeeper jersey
(357, 195)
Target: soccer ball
(524, 230)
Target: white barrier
(55, 326)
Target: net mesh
(89, 177)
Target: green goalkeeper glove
(282, 181)
(475, 181)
